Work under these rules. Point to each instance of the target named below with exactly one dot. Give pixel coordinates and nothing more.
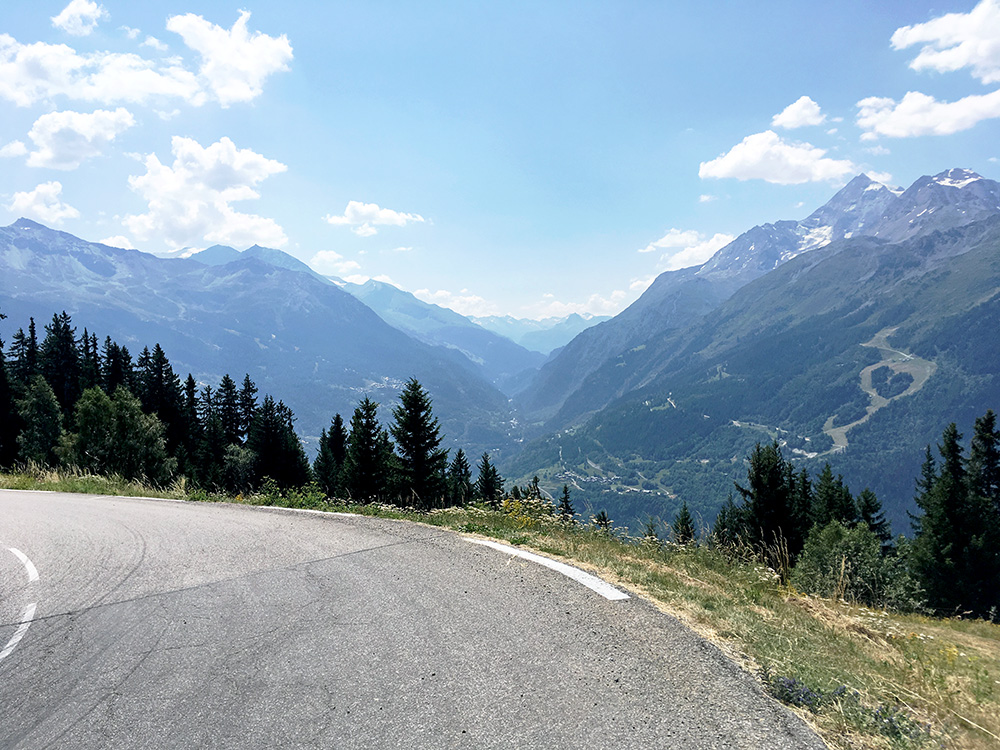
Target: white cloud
(234, 62)
(957, 40)
(190, 201)
(118, 240)
(402, 250)
(695, 254)
(13, 149)
(803, 111)
(130, 32)
(596, 304)
(878, 150)
(919, 114)
(464, 303)
(30, 73)
(766, 156)
(331, 263)
(364, 217)
(43, 203)
(80, 17)
(153, 43)
(884, 177)
(63, 140)
(673, 238)
(706, 198)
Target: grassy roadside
(862, 678)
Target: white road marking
(26, 618)
(28, 565)
(591, 582)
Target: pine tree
(601, 521)
(729, 528)
(984, 460)
(566, 507)
(24, 356)
(247, 403)
(367, 463)
(59, 361)
(870, 512)
(832, 500)
(422, 461)
(683, 526)
(277, 451)
(329, 461)
(460, 479)
(228, 405)
(768, 512)
(10, 421)
(212, 450)
(489, 484)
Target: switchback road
(160, 624)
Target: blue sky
(517, 158)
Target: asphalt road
(162, 624)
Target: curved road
(166, 624)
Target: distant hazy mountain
(545, 335)
(299, 336)
(501, 360)
(678, 298)
(904, 301)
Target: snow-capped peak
(957, 178)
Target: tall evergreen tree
(212, 449)
(489, 484)
(769, 515)
(160, 394)
(832, 500)
(683, 526)
(329, 463)
(278, 453)
(729, 528)
(422, 461)
(566, 512)
(59, 361)
(24, 356)
(460, 479)
(228, 404)
(367, 464)
(870, 512)
(247, 402)
(984, 460)
(10, 421)
(953, 554)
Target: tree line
(68, 400)
(821, 538)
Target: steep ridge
(677, 299)
(298, 336)
(787, 351)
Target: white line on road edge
(28, 565)
(591, 582)
(26, 618)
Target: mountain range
(851, 336)
(785, 334)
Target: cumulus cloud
(234, 62)
(43, 203)
(803, 111)
(706, 198)
(331, 263)
(30, 73)
(63, 140)
(595, 304)
(118, 240)
(364, 217)
(673, 238)
(13, 150)
(766, 156)
(153, 43)
(80, 17)
(684, 249)
(464, 302)
(920, 114)
(957, 40)
(190, 201)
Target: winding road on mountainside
(895, 360)
(149, 623)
